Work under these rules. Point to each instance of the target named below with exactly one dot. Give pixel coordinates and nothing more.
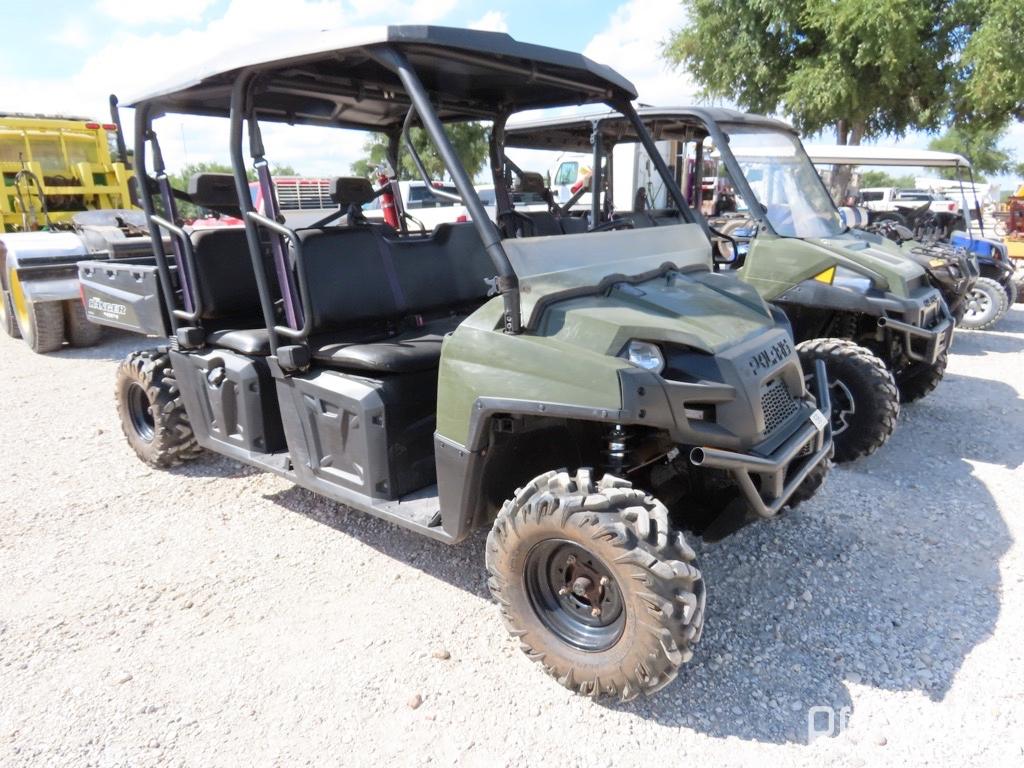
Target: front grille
(303, 194)
(777, 405)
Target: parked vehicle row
(594, 378)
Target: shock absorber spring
(617, 451)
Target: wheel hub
(574, 595)
(139, 412)
(843, 404)
(978, 303)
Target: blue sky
(94, 47)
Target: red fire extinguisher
(387, 200)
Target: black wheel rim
(843, 406)
(842, 402)
(574, 595)
(139, 412)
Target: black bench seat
(362, 282)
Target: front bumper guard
(936, 340)
(775, 489)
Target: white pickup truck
(896, 199)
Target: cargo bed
(125, 294)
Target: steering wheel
(615, 224)
(522, 217)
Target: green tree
(180, 179)
(991, 88)
(470, 141)
(863, 68)
(870, 179)
(979, 144)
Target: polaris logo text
(107, 307)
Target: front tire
(595, 585)
(918, 379)
(865, 401)
(986, 304)
(151, 410)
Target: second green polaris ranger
(857, 302)
(549, 388)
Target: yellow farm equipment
(54, 167)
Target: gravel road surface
(216, 616)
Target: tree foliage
(865, 68)
(470, 141)
(869, 179)
(980, 145)
(992, 86)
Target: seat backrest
(544, 224)
(226, 283)
(447, 269)
(573, 225)
(347, 278)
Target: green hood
(778, 263)
(701, 310)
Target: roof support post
(239, 97)
(507, 282)
(143, 132)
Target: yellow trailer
(54, 167)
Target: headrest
(531, 182)
(352, 190)
(215, 191)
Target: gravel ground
(215, 616)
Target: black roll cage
(290, 276)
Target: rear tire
(560, 532)
(7, 315)
(80, 332)
(43, 330)
(917, 379)
(865, 401)
(151, 410)
(1012, 293)
(986, 304)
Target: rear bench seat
(378, 303)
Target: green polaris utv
(859, 302)
(584, 394)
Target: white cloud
(72, 35)
(632, 42)
(492, 21)
(132, 12)
(166, 55)
(411, 12)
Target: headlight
(645, 355)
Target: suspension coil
(616, 452)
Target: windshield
(785, 183)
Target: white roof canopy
(825, 154)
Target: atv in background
(987, 298)
(547, 387)
(956, 220)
